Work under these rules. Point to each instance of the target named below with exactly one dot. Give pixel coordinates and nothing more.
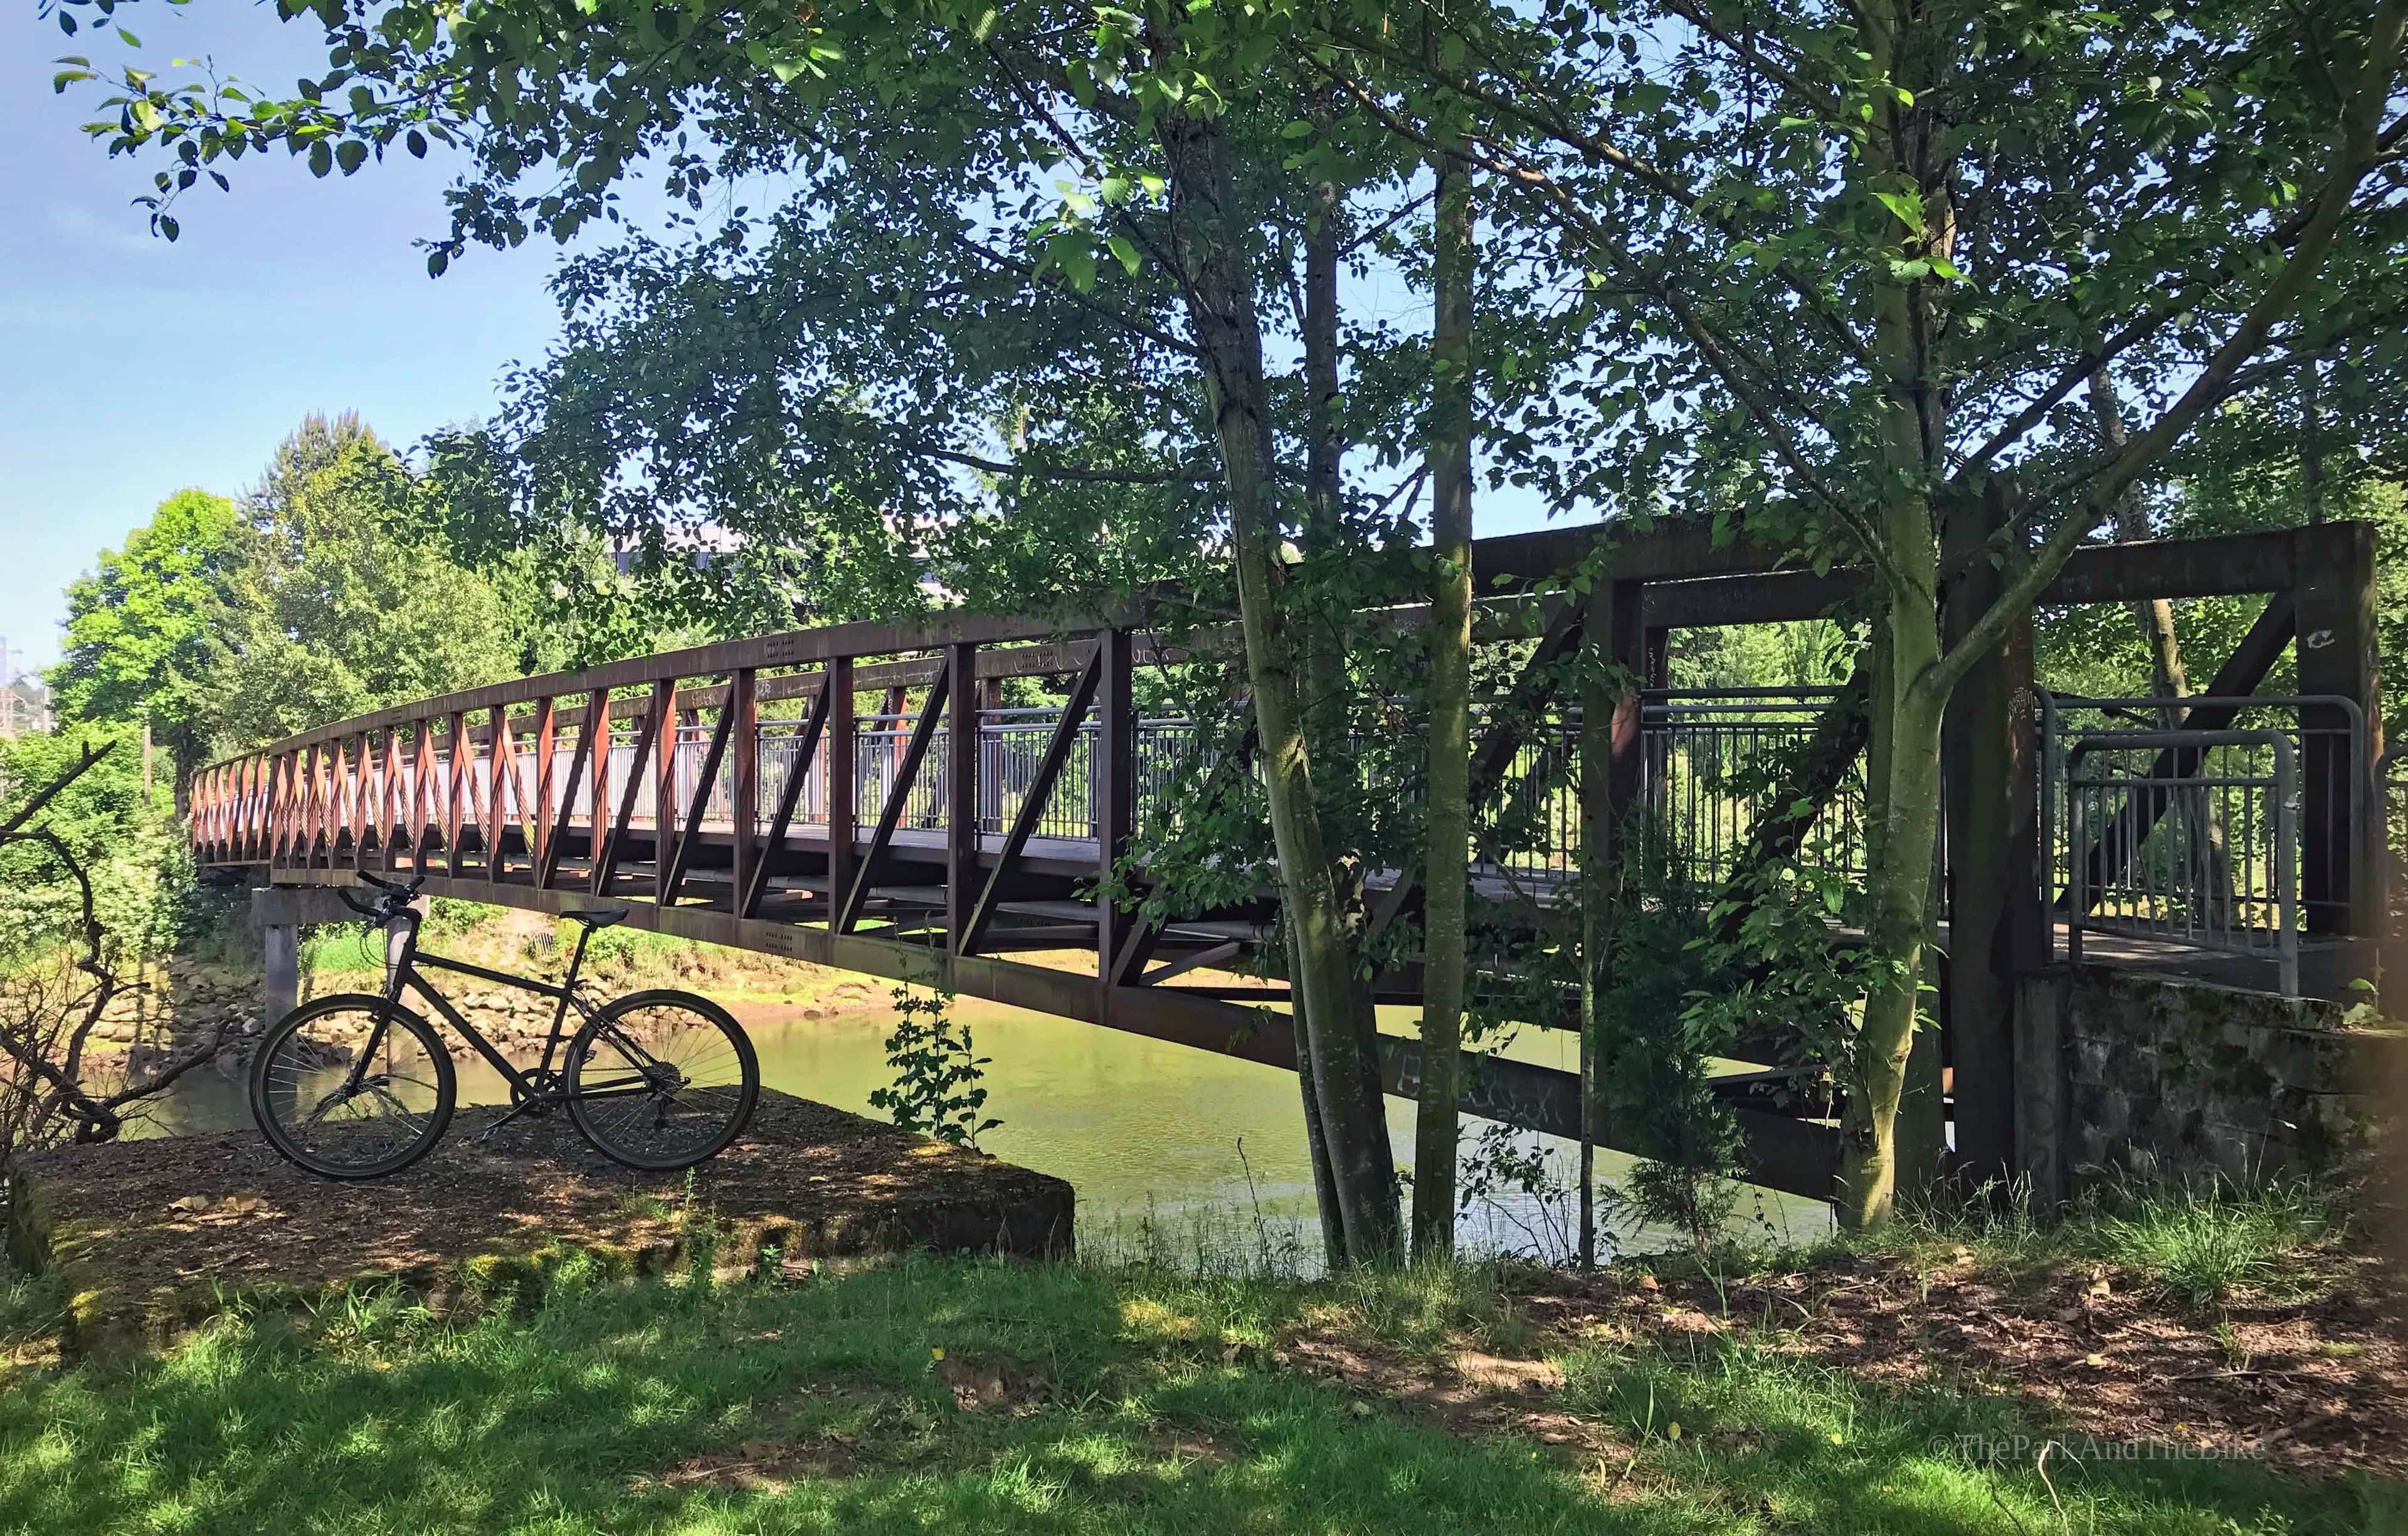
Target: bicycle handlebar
(396, 900)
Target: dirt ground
(2319, 1384)
(153, 1234)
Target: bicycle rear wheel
(322, 1101)
(662, 1080)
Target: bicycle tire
(277, 1046)
(717, 1115)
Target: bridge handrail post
(961, 792)
(744, 784)
(1114, 774)
(841, 782)
(664, 747)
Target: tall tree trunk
(1902, 787)
(1325, 641)
(1902, 810)
(1597, 895)
(1446, 873)
(1209, 233)
(1898, 41)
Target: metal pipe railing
(2285, 836)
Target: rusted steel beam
(664, 751)
(1114, 770)
(906, 772)
(790, 649)
(1032, 805)
(535, 804)
(844, 785)
(397, 816)
(462, 761)
(2336, 652)
(961, 789)
(2228, 565)
(607, 852)
(1768, 597)
(706, 779)
(789, 796)
(1677, 551)
(2223, 565)
(600, 826)
(422, 796)
(345, 799)
(500, 749)
(319, 771)
(1199, 961)
(741, 713)
(556, 819)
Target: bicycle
(355, 1086)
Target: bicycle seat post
(577, 956)
(400, 947)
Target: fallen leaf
(190, 1202)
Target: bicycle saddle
(600, 916)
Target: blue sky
(131, 367)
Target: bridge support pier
(280, 987)
(279, 913)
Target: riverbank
(1082, 1397)
(149, 1238)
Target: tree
(1835, 274)
(1447, 874)
(1846, 270)
(334, 599)
(137, 629)
(980, 107)
(64, 942)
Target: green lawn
(1103, 1400)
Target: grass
(1105, 1398)
(2198, 1245)
(2203, 1245)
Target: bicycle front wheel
(326, 1101)
(662, 1080)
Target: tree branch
(2356, 145)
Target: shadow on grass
(990, 1398)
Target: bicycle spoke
(662, 1085)
(339, 1108)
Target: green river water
(1187, 1155)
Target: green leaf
(351, 154)
(1906, 207)
(1124, 247)
(321, 158)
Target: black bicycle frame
(404, 973)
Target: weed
(2203, 1244)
